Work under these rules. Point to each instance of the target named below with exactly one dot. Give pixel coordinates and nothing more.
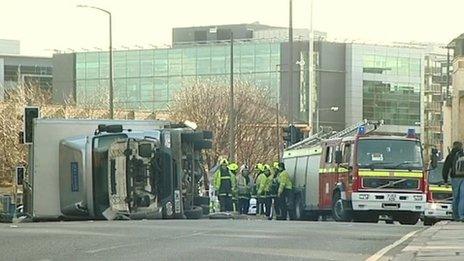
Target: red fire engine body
(358, 177)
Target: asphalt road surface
(198, 240)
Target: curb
(411, 251)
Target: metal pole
(310, 69)
(111, 80)
(231, 102)
(111, 70)
(278, 131)
(317, 118)
(290, 68)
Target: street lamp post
(334, 109)
(111, 91)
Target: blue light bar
(411, 133)
(361, 130)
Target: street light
(333, 108)
(110, 56)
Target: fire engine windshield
(389, 154)
(435, 176)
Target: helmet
(233, 166)
(259, 167)
(275, 165)
(224, 162)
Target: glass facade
(395, 103)
(148, 79)
(391, 86)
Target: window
(328, 154)
(347, 153)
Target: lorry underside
(132, 175)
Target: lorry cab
(116, 174)
(439, 198)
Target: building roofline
(23, 56)
(254, 24)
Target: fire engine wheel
(408, 219)
(339, 211)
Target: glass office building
(387, 82)
(148, 79)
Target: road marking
(384, 250)
(190, 235)
(108, 248)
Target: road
(197, 240)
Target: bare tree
(206, 104)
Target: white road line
(384, 250)
(108, 248)
(190, 235)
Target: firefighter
(224, 184)
(263, 189)
(244, 187)
(233, 167)
(260, 177)
(284, 193)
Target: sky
(44, 25)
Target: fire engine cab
(358, 174)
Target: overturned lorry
(89, 169)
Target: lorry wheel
(365, 217)
(408, 218)
(205, 209)
(339, 211)
(200, 200)
(195, 212)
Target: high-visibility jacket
(284, 181)
(229, 179)
(244, 186)
(263, 184)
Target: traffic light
(20, 170)
(287, 135)
(292, 134)
(297, 135)
(30, 113)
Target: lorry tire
(339, 211)
(200, 200)
(192, 136)
(195, 212)
(408, 218)
(205, 209)
(365, 217)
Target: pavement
(204, 239)
(443, 241)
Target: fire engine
(357, 175)
(439, 198)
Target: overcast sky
(42, 25)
